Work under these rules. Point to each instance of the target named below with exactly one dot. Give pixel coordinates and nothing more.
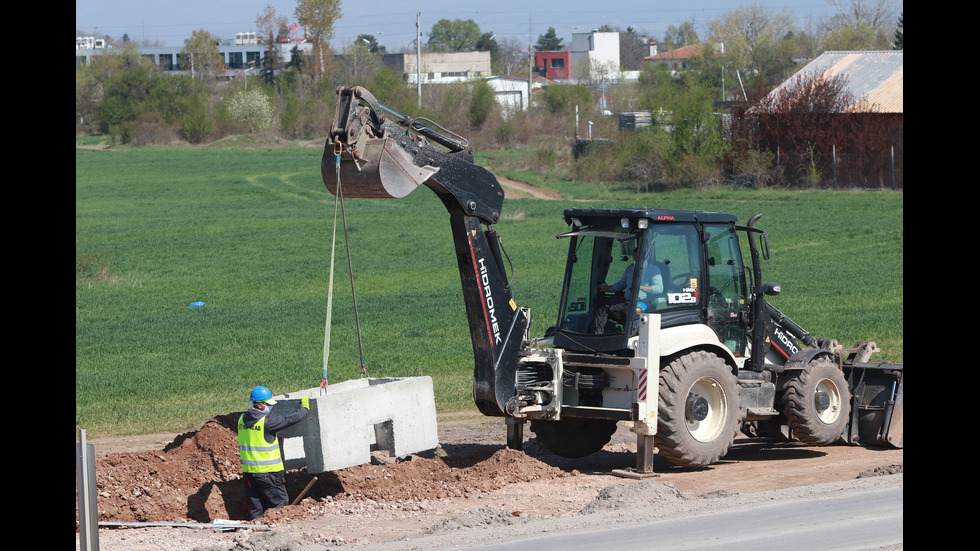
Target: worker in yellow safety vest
(261, 458)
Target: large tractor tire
(574, 436)
(698, 412)
(817, 403)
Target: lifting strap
(333, 245)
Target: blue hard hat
(261, 394)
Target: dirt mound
(197, 477)
(649, 492)
(883, 471)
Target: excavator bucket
(878, 404)
(372, 168)
(363, 154)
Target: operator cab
(685, 266)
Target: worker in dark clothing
(258, 444)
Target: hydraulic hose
(791, 326)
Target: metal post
(418, 56)
(88, 512)
(530, 74)
(893, 167)
(836, 184)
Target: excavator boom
(373, 152)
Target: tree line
(694, 142)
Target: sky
(392, 22)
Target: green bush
(390, 89)
(755, 168)
(289, 118)
(482, 103)
(564, 97)
(196, 127)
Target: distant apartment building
(243, 52)
(89, 43)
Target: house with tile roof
(678, 59)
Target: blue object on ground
(197, 304)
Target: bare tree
(876, 13)
(359, 63)
(318, 17)
(816, 133)
(512, 59)
(683, 35)
(749, 30)
(633, 47)
(271, 28)
(200, 55)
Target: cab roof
(592, 216)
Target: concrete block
(355, 417)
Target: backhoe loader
(689, 352)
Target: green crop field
(248, 232)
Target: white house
(594, 55)
(511, 92)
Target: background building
(243, 52)
(439, 67)
(553, 65)
(594, 55)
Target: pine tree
(549, 41)
(900, 33)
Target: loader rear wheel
(574, 436)
(698, 411)
(817, 403)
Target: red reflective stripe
(479, 284)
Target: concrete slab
(352, 418)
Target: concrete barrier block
(353, 418)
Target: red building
(553, 65)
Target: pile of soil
(442, 499)
(197, 478)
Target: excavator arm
(373, 152)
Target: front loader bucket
(373, 168)
(877, 404)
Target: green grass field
(248, 232)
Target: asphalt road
(852, 521)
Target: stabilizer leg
(515, 433)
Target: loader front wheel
(817, 403)
(698, 411)
(573, 436)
